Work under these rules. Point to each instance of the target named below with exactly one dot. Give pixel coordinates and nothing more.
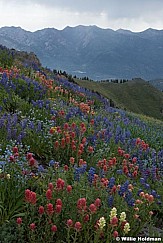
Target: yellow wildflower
(102, 223)
(126, 228)
(8, 176)
(113, 213)
(122, 217)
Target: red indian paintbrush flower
(115, 234)
(50, 186)
(12, 158)
(30, 196)
(49, 194)
(59, 202)
(58, 208)
(73, 125)
(69, 223)
(90, 149)
(97, 202)
(41, 210)
(32, 161)
(32, 226)
(69, 188)
(50, 209)
(66, 167)
(114, 221)
(19, 221)
(81, 204)
(29, 156)
(60, 184)
(15, 149)
(86, 218)
(54, 228)
(66, 126)
(78, 226)
(72, 160)
(92, 208)
(56, 144)
(33, 198)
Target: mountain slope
(137, 96)
(158, 83)
(98, 53)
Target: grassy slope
(137, 96)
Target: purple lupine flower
(119, 172)
(91, 173)
(41, 168)
(154, 193)
(77, 174)
(101, 173)
(51, 163)
(111, 182)
(142, 181)
(123, 188)
(131, 202)
(2, 122)
(126, 184)
(147, 186)
(82, 169)
(129, 199)
(31, 125)
(146, 173)
(153, 172)
(23, 123)
(39, 126)
(110, 201)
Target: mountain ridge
(99, 53)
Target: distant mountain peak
(151, 31)
(47, 30)
(12, 27)
(82, 27)
(123, 31)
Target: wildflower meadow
(72, 168)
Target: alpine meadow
(73, 167)
(81, 121)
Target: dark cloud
(134, 14)
(114, 7)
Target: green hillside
(136, 96)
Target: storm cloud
(135, 15)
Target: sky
(32, 15)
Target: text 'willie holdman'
(141, 239)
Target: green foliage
(11, 198)
(26, 90)
(10, 233)
(3, 95)
(6, 58)
(10, 102)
